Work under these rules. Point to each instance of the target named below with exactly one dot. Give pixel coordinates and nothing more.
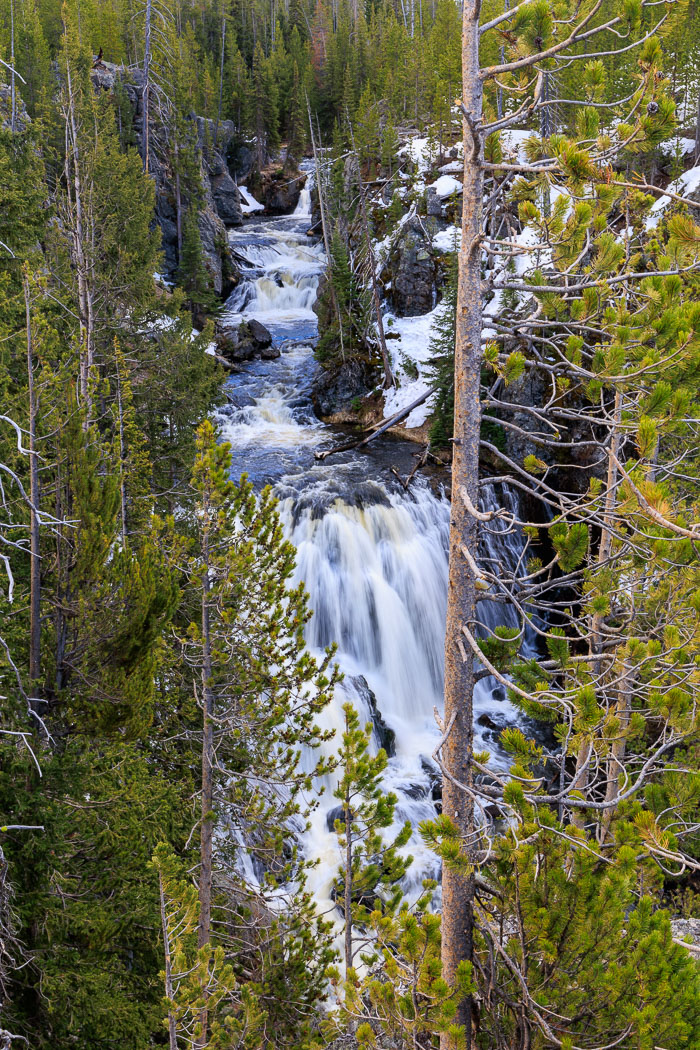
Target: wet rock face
(334, 389)
(250, 339)
(411, 270)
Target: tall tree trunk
(146, 100)
(347, 897)
(388, 377)
(221, 75)
(13, 88)
(172, 1024)
(697, 132)
(122, 451)
(35, 558)
(458, 804)
(207, 796)
(79, 253)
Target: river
(372, 556)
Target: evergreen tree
(441, 365)
(260, 692)
(372, 868)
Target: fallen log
(381, 430)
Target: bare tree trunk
(388, 377)
(146, 87)
(122, 452)
(697, 132)
(347, 896)
(13, 88)
(80, 257)
(35, 557)
(458, 803)
(207, 796)
(172, 1027)
(221, 75)
(324, 227)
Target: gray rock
(22, 118)
(259, 333)
(227, 199)
(251, 339)
(412, 269)
(282, 193)
(334, 389)
(434, 204)
(241, 160)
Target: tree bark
(35, 558)
(146, 87)
(347, 897)
(80, 255)
(207, 795)
(458, 805)
(172, 1024)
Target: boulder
(259, 333)
(240, 158)
(281, 194)
(433, 203)
(251, 339)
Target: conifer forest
(350, 524)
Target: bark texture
(458, 803)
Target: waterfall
(280, 269)
(374, 559)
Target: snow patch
(414, 345)
(249, 202)
(448, 240)
(684, 185)
(446, 186)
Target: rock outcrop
(221, 207)
(411, 271)
(281, 192)
(335, 389)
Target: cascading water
(373, 558)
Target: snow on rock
(414, 345)
(453, 167)
(447, 240)
(678, 146)
(684, 185)
(445, 186)
(249, 203)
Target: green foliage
(441, 363)
(373, 868)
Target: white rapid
(372, 557)
(281, 266)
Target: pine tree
(441, 363)
(372, 868)
(260, 692)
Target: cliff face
(221, 207)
